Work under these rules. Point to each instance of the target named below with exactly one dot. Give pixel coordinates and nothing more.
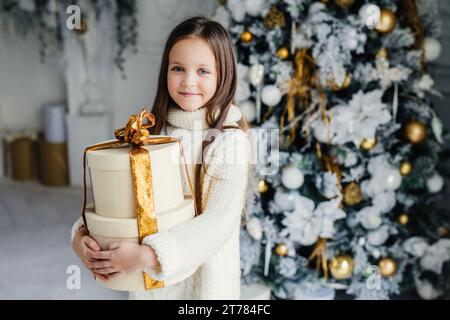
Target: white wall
(26, 84)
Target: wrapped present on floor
(22, 155)
(137, 190)
(53, 163)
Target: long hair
(215, 35)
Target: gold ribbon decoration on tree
(135, 135)
(300, 87)
(413, 19)
(320, 254)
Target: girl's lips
(189, 94)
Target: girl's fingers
(102, 264)
(105, 271)
(102, 255)
(92, 244)
(100, 276)
(114, 246)
(114, 275)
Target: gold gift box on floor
(53, 163)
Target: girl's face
(192, 74)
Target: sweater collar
(178, 117)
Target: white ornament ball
(426, 290)
(433, 49)
(393, 180)
(370, 218)
(292, 178)
(248, 109)
(256, 74)
(379, 236)
(285, 200)
(271, 95)
(435, 183)
(254, 228)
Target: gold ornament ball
(283, 53)
(443, 232)
(281, 249)
(368, 144)
(263, 186)
(405, 168)
(246, 36)
(416, 132)
(388, 267)
(387, 21)
(335, 87)
(344, 3)
(352, 194)
(403, 219)
(341, 267)
(382, 53)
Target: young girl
(196, 88)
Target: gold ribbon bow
(136, 134)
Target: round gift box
(106, 230)
(112, 183)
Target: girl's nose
(189, 80)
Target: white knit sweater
(210, 242)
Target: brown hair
(215, 35)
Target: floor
(35, 248)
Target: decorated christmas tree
(354, 203)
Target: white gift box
(107, 230)
(113, 218)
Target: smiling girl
(196, 88)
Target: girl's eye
(177, 69)
(204, 71)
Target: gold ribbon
(412, 17)
(300, 88)
(320, 254)
(135, 135)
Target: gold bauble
(383, 53)
(368, 144)
(344, 3)
(263, 186)
(403, 219)
(275, 18)
(335, 87)
(405, 168)
(387, 22)
(443, 232)
(246, 36)
(388, 267)
(341, 267)
(283, 53)
(416, 132)
(83, 28)
(281, 249)
(352, 194)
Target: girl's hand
(122, 258)
(83, 245)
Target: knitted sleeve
(189, 245)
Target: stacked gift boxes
(114, 217)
